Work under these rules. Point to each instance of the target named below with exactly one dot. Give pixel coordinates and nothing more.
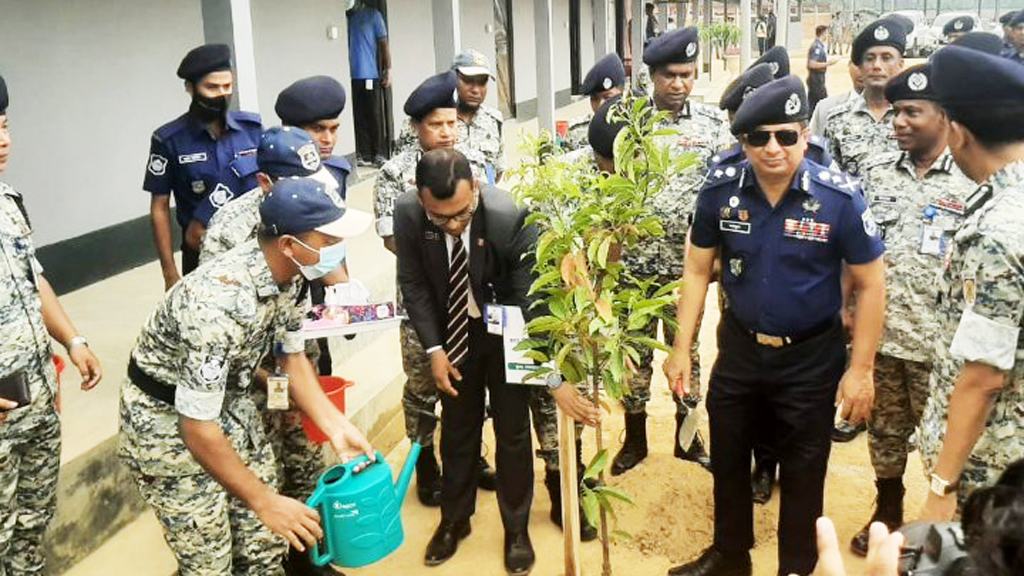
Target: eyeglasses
(464, 216)
(760, 138)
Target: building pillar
(229, 22)
(637, 37)
(602, 46)
(745, 34)
(447, 33)
(542, 26)
(782, 23)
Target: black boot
(762, 481)
(888, 510)
(487, 478)
(634, 449)
(428, 478)
(696, 452)
(553, 483)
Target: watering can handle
(314, 552)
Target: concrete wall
(300, 49)
(410, 34)
(90, 80)
(477, 18)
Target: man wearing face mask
(191, 434)
(432, 113)
(206, 153)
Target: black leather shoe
(519, 557)
(762, 482)
(445, 541)
(486, 478)
(428, 479)
(845, 432)
(715, 563)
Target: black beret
(966, 77)
(679, 46)
(310, 99)
(914, 83)
(4, 100)
(984, 41)
(907, 23)
(1018, 18)
(607, 73)
(435, 92)
(778, 102)
(1005, 19)
(879, 33)
(204, 59)
(778, 59)
(601, 134)
(958, 24)
(756, 76)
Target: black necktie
(457, 340)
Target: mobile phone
(15, 387)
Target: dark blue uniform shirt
(340, 168)
(817, 152)
(186, 161)
(781, 266)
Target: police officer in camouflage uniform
(917, 198)
(862, 126)
(432, 112)
(29, 424)
(479, 125)
(191, 434)
(973, 422)
(604, 81)
(702, 130)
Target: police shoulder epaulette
(816, 141)
(830, 179)
(170, 129)
(721, 175)
(706, 110)
(338, 162)
(493, 113)
(880, 159)
(250, 117)
(837, 110)
(726, 157)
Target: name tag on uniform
(192, 158)
(883, 199)
(734, 226)
(806, 229)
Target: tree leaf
(597, 464)
(613, 492)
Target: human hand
(677, 370)
(290, 518)
(576, 406)
(938, 508)
(88, 365)
(350, 443)
(443, 371)
(6, 405)
(883, 551)
(856, 394)
(170, 279)
(385, 78)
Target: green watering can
(360, 513)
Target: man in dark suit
(461, 246)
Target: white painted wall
(477, 17)
(410, 35)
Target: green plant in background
(721, 37)
(596, 310)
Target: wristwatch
(553, 380)
(941, 487)
(76, 341)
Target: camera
(934, 549)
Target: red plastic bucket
(334, 387)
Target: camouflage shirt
(981, 310)
(24, 341)
(482, 134)
(700, 129)
(578, 135)
(917, 218)
(853, 134)
(398, 176)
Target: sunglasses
(760, 138)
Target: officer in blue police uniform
(315, 105)
(783, 227)
(208, 152)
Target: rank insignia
(812, 205)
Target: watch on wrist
(553, 380)
(942, 487)
(76, 341)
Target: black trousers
(189, 258)
(816, 91)
(462, 419)
(792, 388)
(368, 113)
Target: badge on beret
(792, 104)
(157, 165)
(221, 195)
(691, 49)
(747, 91)
(917, 81)
(958, 25)
(775, 68)
(607, 84)
(881, 33)
(309, 156)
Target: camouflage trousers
(901, 390)
(420, 392)
(29, 463)
(640, 386)
(544, 414)
(300, 461)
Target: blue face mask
(330, 258)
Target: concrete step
(138, 549)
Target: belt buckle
(768, 340)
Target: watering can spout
(406, 476)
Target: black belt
(148, 384)
(782, 341)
